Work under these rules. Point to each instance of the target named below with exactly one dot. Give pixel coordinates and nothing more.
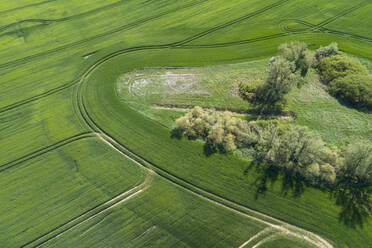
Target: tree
(248, 89)
(220, 130)
(299, 54)
(279, 81)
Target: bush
(339, 66)
(220, 130)
(347, 79)
(248, 89)
(324, 52)
(353, 88)
(295, 150)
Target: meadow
(81, 167)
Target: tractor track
(175, 44)
(320, 27)
(89, 214)
(43, 22)
(45, 150)
(129, 26)
(174, 179)
(37, 97)
(182, 44)
(343, 13)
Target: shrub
(221, 130)
(197, 122)
(324, 52)
(353, 88)
(248, 89)
(339, 66)
(299, 54)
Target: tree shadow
(292, 184)
(268, 175)
(209, 149)
(349, 105)
(176, 133)
(356, 206)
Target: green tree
(279, 81)
(299, 54)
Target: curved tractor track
(45, 150)
(124, 27)
(312, 28)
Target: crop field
(87, 158)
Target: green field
(84, 163)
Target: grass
(41, 63)
(210, 86)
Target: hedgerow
(295, 150)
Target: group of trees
(294, 151)
(283, 72)
(219, 129)
(346, 78)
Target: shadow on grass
(209, 149)
(356, 206)
(355, 202)
(176, 133)
(268, 175)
